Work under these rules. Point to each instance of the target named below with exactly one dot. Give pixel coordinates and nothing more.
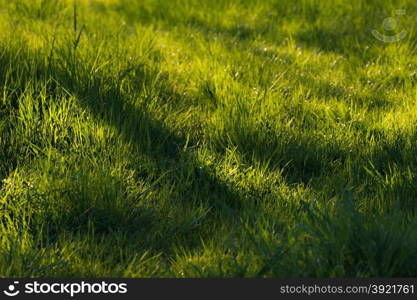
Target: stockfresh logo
(391, 26)
(61, 288)
(12, 290)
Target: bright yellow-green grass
(191, 138)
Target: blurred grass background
(212, 138)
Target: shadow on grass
(92, 205)
(343, 38)
(327, 40)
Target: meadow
(218, 138)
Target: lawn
(191, 138)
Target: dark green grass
(207, 139)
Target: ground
(194, 138)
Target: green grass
(194, 138)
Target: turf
(194, 138)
